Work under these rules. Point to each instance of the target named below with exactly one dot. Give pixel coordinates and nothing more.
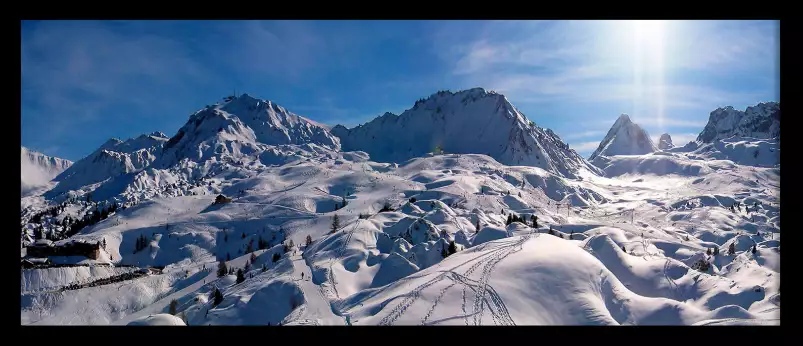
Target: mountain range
(460, 210)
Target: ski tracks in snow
(483, 291)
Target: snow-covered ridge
(38, 169)
(112, 159)
(760, 121)
(242, 126)
(624, 138)
(473, 121)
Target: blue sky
(84, 82)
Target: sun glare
(648, 41)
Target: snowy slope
(38, 169)
(622, 247)
(760, 121)
(473, 121)
(624, 138)
(665, 142)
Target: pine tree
(335, 223)
(264, 267)
(218, 297)
(478, 223)
(623, 249)
(754, 249)
(309, 240)
(240, 276)
(173, 306)
(732, 248)
(452, 247)
(716, 250)
(708, 251)
(228, 257)
(243, 237)
(250, 247)
(247, 266)
(276, 257)
(253, 257)
(291, 245)
(221, 269)
(444, 253)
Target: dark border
(104, 334)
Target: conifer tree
(452, 247)
(309, 240)
(732, 248)
(221, 269)
(335, 223)
(276, 257)
(754, 249)
(240, 276)
(218, 297)
(173, 307)
(444, 253)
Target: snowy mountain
(473, 121)
(665, 142)
(313, 234)
(38, 169)
(242, 126)
(112, 159)
(760, 121)
(624, 138)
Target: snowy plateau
(459, 211)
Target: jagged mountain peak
(622, 120)
(624, 138)
(473, 121)
(665, 142)
(250, 122)
(760, 121)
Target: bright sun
(648, 39)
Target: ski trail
(317, 308)
(341, 251)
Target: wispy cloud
(666, 121)
(585, 147)
(78, 68)
(584, 134)
(592, 62)
(286, 49)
